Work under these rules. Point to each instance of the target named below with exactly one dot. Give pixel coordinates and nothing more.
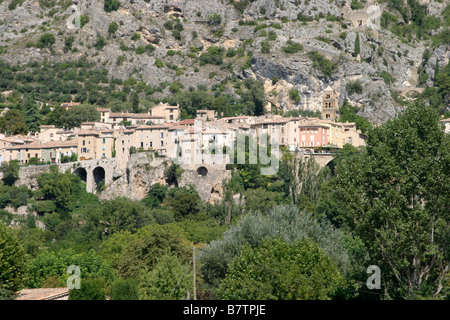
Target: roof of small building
(153, 127)
(43, 294)
(145, 116)
(121, 114)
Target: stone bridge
(322, 159)
(411, 92)
(95, 173)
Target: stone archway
(81, 173)
(202, 171)
(99, 178)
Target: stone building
(330, 107)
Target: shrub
(294, 95)
(354, 87)
(91, 289)
(112, 28)
(265, 47)
(292, 47)
(136, 36)
(111, 5)
(46, 40)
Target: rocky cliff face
(142, 172)
(385, 64)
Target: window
(171, 117)
(84, 142)
(104, 140)
(162, 143)
(142, 144)
(161, 135)
(151, 144)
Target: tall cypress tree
(33, 115)
(357, 45)
(436, 70)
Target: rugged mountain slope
(213, 42)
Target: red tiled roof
(43, 294)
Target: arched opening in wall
(332, 165)
(202, 171)
(82, 173)
(99, 178)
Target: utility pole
(193, 262)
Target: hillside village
(121, 154)
(161, 131)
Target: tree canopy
(396, 192)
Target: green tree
(13, 268)
(214, 19)
(279, 270)
(354, 87)
(294, 95)
(261, 199)
(124, 289)
(32, 115)
(326, 66)
(357, 45)
(170, 279)
(155, 195)
(135, 102)
(123, 213)
(173, 173)
(112, 28)
(253, 99)
(281, 221)
(46, 40)
(56, 117)
(152, 242)
(111, 5)
(10, 172)
(348, 113)
(49, 263)
(396, 192)
(185, 204)
(13, 122)
(79, 114)
(90, 289)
